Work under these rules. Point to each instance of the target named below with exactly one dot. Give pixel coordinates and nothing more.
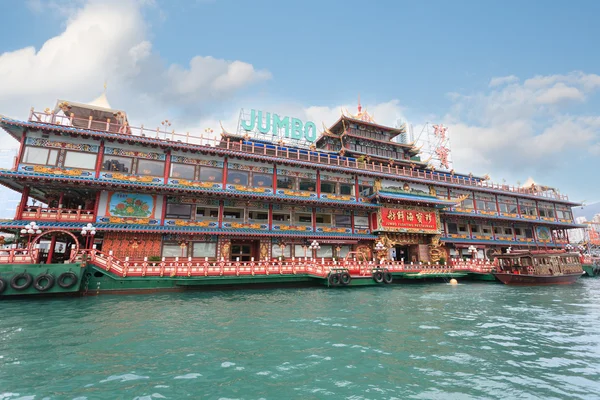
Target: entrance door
(402, 252)
(244, 249)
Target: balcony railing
(57, 214)
(280, 151)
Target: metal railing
(276, 150)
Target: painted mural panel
(129, 208)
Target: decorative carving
(377, 185)
(225, 248)
(435, 249)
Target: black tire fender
(345, 279)
(41, 287)
(378, 276)
(14, 282)
(67, 280)
(334, 279)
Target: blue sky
(427, 61)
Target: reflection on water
(406, 341)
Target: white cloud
(503, 80)
(108, 40)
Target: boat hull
(537, 280)
(591, 270)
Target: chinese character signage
(408, 219)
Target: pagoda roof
(394, 131)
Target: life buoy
(14, 282)
(2, 285)
(43, 287)
(67, 280)
(345, 279)
(334, 279)
(387, 277)
(378, 276)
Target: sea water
(425, 341)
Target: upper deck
(277, 152)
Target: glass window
(452, 228)
(307, 185)
(208, 174)
(286, 182)
(508, 231)
(361, 222)
(179, 211)
(326, 251)
(346, 188)
(171, 250)
(74, 159)
(486, 230)
(203, 213)
(304, 219)
(343, 221)
(365, 190)
(262, 180)
(204, 249)
(528, 233)
(233, 213)
(327, 187)
(38, 155)
(475, 228)
(323, 219)
(300, 251)
(277, 251)
(237, 177)
(183, 171)
(343, 251)
(116, 164)
(150, 167)
(281, 217)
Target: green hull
(355, 282)
(415, 275)
(7, 271)
(476, 276)
(591, 271)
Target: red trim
(221, 208)
(314, 219)
(51, 249)
(99, 159)
(352, 220)
(21, 150)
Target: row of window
(461, 228)
(203, 213)
(244, 252)
(512, 208)
(377, 151)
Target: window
(37, 155)
(258, 215)
(233, 213)
(117, 164)
(361, 222)
(150, 167)
(346, 189)
(509, 208)
(518, 232)
(203, 213)
(546, 212)
(484, 205)
(204, 249)
(487, 230)
(238, 177)
(303, 219)
(323, 219)
(183, 171)
(463, 228)
(528, 210)
(508, 231)
(281, 217)
(326, 251)
(475, 229)
(262, 180)
(171, 250)
(327, 187)
(452, 228)
(208, 174)
(286, 182)
(343, 221)
(179, 211)
(365, 190)
(343, 251)
(74, 159)
(300, 251)
(241, 252)
(528, 233)
(307, 185)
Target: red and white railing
(195, 267)
(15, 256)
(57, 214)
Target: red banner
(408, 219)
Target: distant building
(9, 199)
(578, 235)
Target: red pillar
(274, 178)
(221, 206)
(319, 184)
(164, 210)
(270, 216)
(97, 204)
(224, 175)
(23, 203)
(99, 159)
(314, 219)
(352, 220)
(167, 166)
(51, 249)
(356, 194)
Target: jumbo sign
(292, 128)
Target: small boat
(546, 267)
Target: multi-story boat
(154, 204)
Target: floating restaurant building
(272, 189)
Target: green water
(435, 341)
